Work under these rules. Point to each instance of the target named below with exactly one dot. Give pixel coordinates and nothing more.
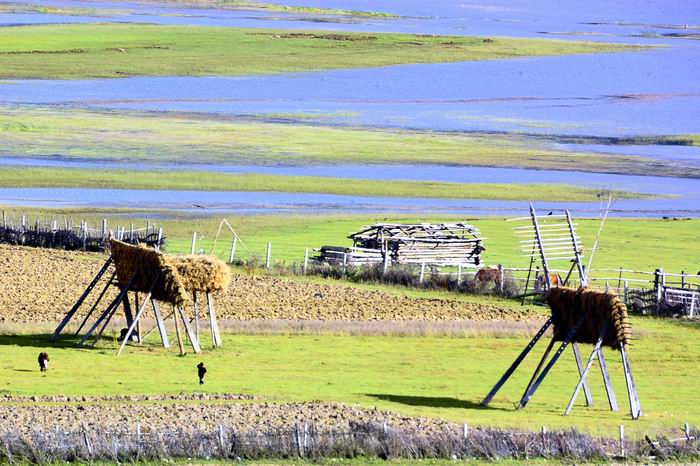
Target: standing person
(201, 370)
(43, 361)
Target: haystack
(175, 277)
(597, 308)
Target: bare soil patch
(40, 286)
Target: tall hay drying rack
(169, 279)
(578, 316)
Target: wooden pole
(194, 242)
(579, 364)
(459, 274)
(180, 345)
(160, 324)
(612, 400)
(213, 324)
(196, 314)
(135, 322)
(188, 330)
(104, 228)
(501, 277)
(422, 273)
(268, 255)
(516, 363)
(160, 238)
(233, 250)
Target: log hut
(395, 243)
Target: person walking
(201, 370)
(43, 361)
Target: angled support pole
(516, 363)
(180, 345)
(584, 374)
(94, 306)
(579, 365)
(80, 300)
(188, 329)
(135, 321)
(555, 358)
(612, 400)
(215, 336)
(160, 324)
(543, 359)
(635, 408)
(111, 309)
(196, 314)
(540, 245)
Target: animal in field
(554, 280)
(43, 360)
(487, 275)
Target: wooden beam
(516, 363)
(612, 400)
(579, 365)
(135, 321)
(160, 324)
(569, 337)
(215, 336)
(635, 408)
(584, 373)
(80, 300)
(190, 334)
(94, 306)
(177, 332)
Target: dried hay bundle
(148, 266)
(175, 277)
(568, 305)
(201, 273)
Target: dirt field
(40, 286)
(103, 413)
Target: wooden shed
(396, 243)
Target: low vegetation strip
(191, 138)
(212, 181)
(41, 285)
(120, 50)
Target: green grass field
(191, 138)
(426, 376)
(212, 181)
(629, 243)
(120, 50)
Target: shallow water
(213, 202)
(624, 94)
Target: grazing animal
(43, 361)
(554, 279)
(489, 275)
(201, 370)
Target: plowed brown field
(40, 286)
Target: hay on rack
(206, 274)
(597, 308)
(175, 277)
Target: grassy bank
(210, 181)
(192, 138)
(118, 50)
(427, 376)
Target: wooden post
(459, 274)
(131, 232)
(160, 324)
(465, 430)
(422, 273)
(194, 242)
(196, 314)
(579, 364)
(104, 228)
(682, 278)
(268, 255)
(622, 441)
(160, 238)
(177, 332)
(306, 260)
(659, 288)
(612, 400)
(221, 435)
(188, 330)
(215, 335)
(516, 363)
(134, 323)
(233, 250)
(626, 289)
(686, 430)
(501, 277)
